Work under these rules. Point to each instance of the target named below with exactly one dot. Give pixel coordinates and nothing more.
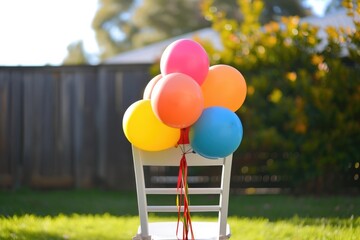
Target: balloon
(185, 56)
(217, 133)
(177, 100)
(144, 130)
(224, 86)
(150, 86)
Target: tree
(76, 54)
(276, 9)
(121, 25)
(112, 26)
(272, 10)
(333, 6)
(161, 19)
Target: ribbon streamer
(182, 199)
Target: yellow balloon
(144, 130)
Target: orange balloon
(224, 86)
(150, 86)
(177, 100)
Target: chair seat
(202, 231)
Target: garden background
(60, 128)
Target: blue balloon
(217, 133)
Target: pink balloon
(185, 56)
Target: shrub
(303, 102)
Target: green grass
(107, 226)
(96, 214)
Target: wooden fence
(62, 126)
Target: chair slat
(191, 191)
(172, 157)
(199, 208)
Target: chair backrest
(171, 157)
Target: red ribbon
(184, 136)
(183, 200)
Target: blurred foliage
(162, 19)
(122, 25)
(272, 11)
(112, 26)
(336, 5)
(302, 101)
(76, 54)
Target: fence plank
(27, 133)
(16, 128)
(6, 178)
(4, 121)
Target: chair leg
(139, 237)
(224, 237)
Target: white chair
(167, 230)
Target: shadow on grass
(351, 222)
(286, 206)
(43, 203)
(272, 207)
(39, 235)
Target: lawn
(97, 214)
